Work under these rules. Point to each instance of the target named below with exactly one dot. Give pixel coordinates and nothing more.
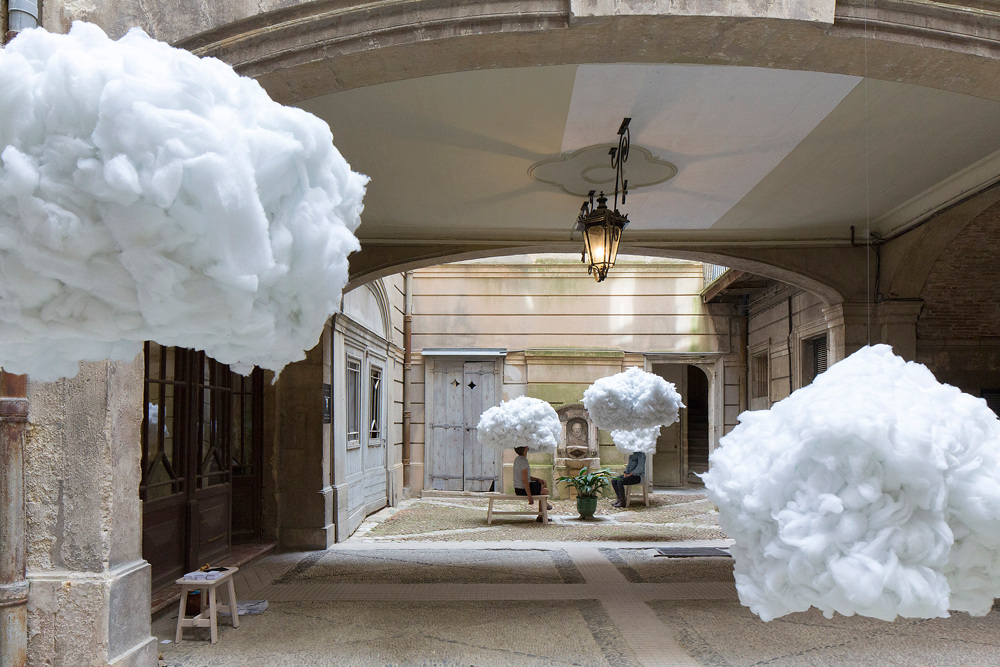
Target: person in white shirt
(524, 483)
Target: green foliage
(588, 484)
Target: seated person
(524, 483)
(635, 469)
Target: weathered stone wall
(89, 594)
(301, 455)
(167, 21)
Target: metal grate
(819, 355)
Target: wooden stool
(207, 587)
(643, 489)
(543, 503)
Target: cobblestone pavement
(409, 590)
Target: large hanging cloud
(875, 491)
(520, 422)
(632, 400)
(146, 194)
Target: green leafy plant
(588, 484)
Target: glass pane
(375, 408)
(353, 400)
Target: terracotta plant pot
(586, 506)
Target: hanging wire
(868, 230)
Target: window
(353, 402)
(759, 377)
(814, 358)
(375, 405)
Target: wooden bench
(543, 503)
(208, 617)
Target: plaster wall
(562, 331)
(549, 301)
(778, 323)
(89, 595)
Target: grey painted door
(462, 391)
(479, 394)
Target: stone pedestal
(89, 588)
(578, 447)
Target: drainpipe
(407, 367)
(13, 585)
(21, 15)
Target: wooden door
(374, 449)
(247, 448)
(479, 389)
(668, 460)
(447, 426)
(164, 481)
(461, 392)
(186, 484)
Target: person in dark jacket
(635, 470)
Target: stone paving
(450, 601)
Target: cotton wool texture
(520, 422)
(147, 194)
(639, 440)
(632, 400)
(873, 491)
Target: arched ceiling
(787, 123)
(762, 156)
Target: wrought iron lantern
(602, 227)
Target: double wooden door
(201, 479)
(461, 392)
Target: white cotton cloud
(874, 491)
(639, 440)
(520, 422)
(632, 400)
(147, 194)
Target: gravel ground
(670, 516)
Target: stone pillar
(89, 588)
(13, 585)
(897, 326)
(849, 328)
(304, 494)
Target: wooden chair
(645, 487)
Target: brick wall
(962, 292)
(958, 331)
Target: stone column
(897, 326)
(13, 585)
(89, 588)
(304, 494)
(848, 328)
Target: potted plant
(588, 487)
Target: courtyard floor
(429, 584)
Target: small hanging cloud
(632, 400)
(874, 491)
(147, 194)
(639, 440)
(520, 422)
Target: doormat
(692, 552)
